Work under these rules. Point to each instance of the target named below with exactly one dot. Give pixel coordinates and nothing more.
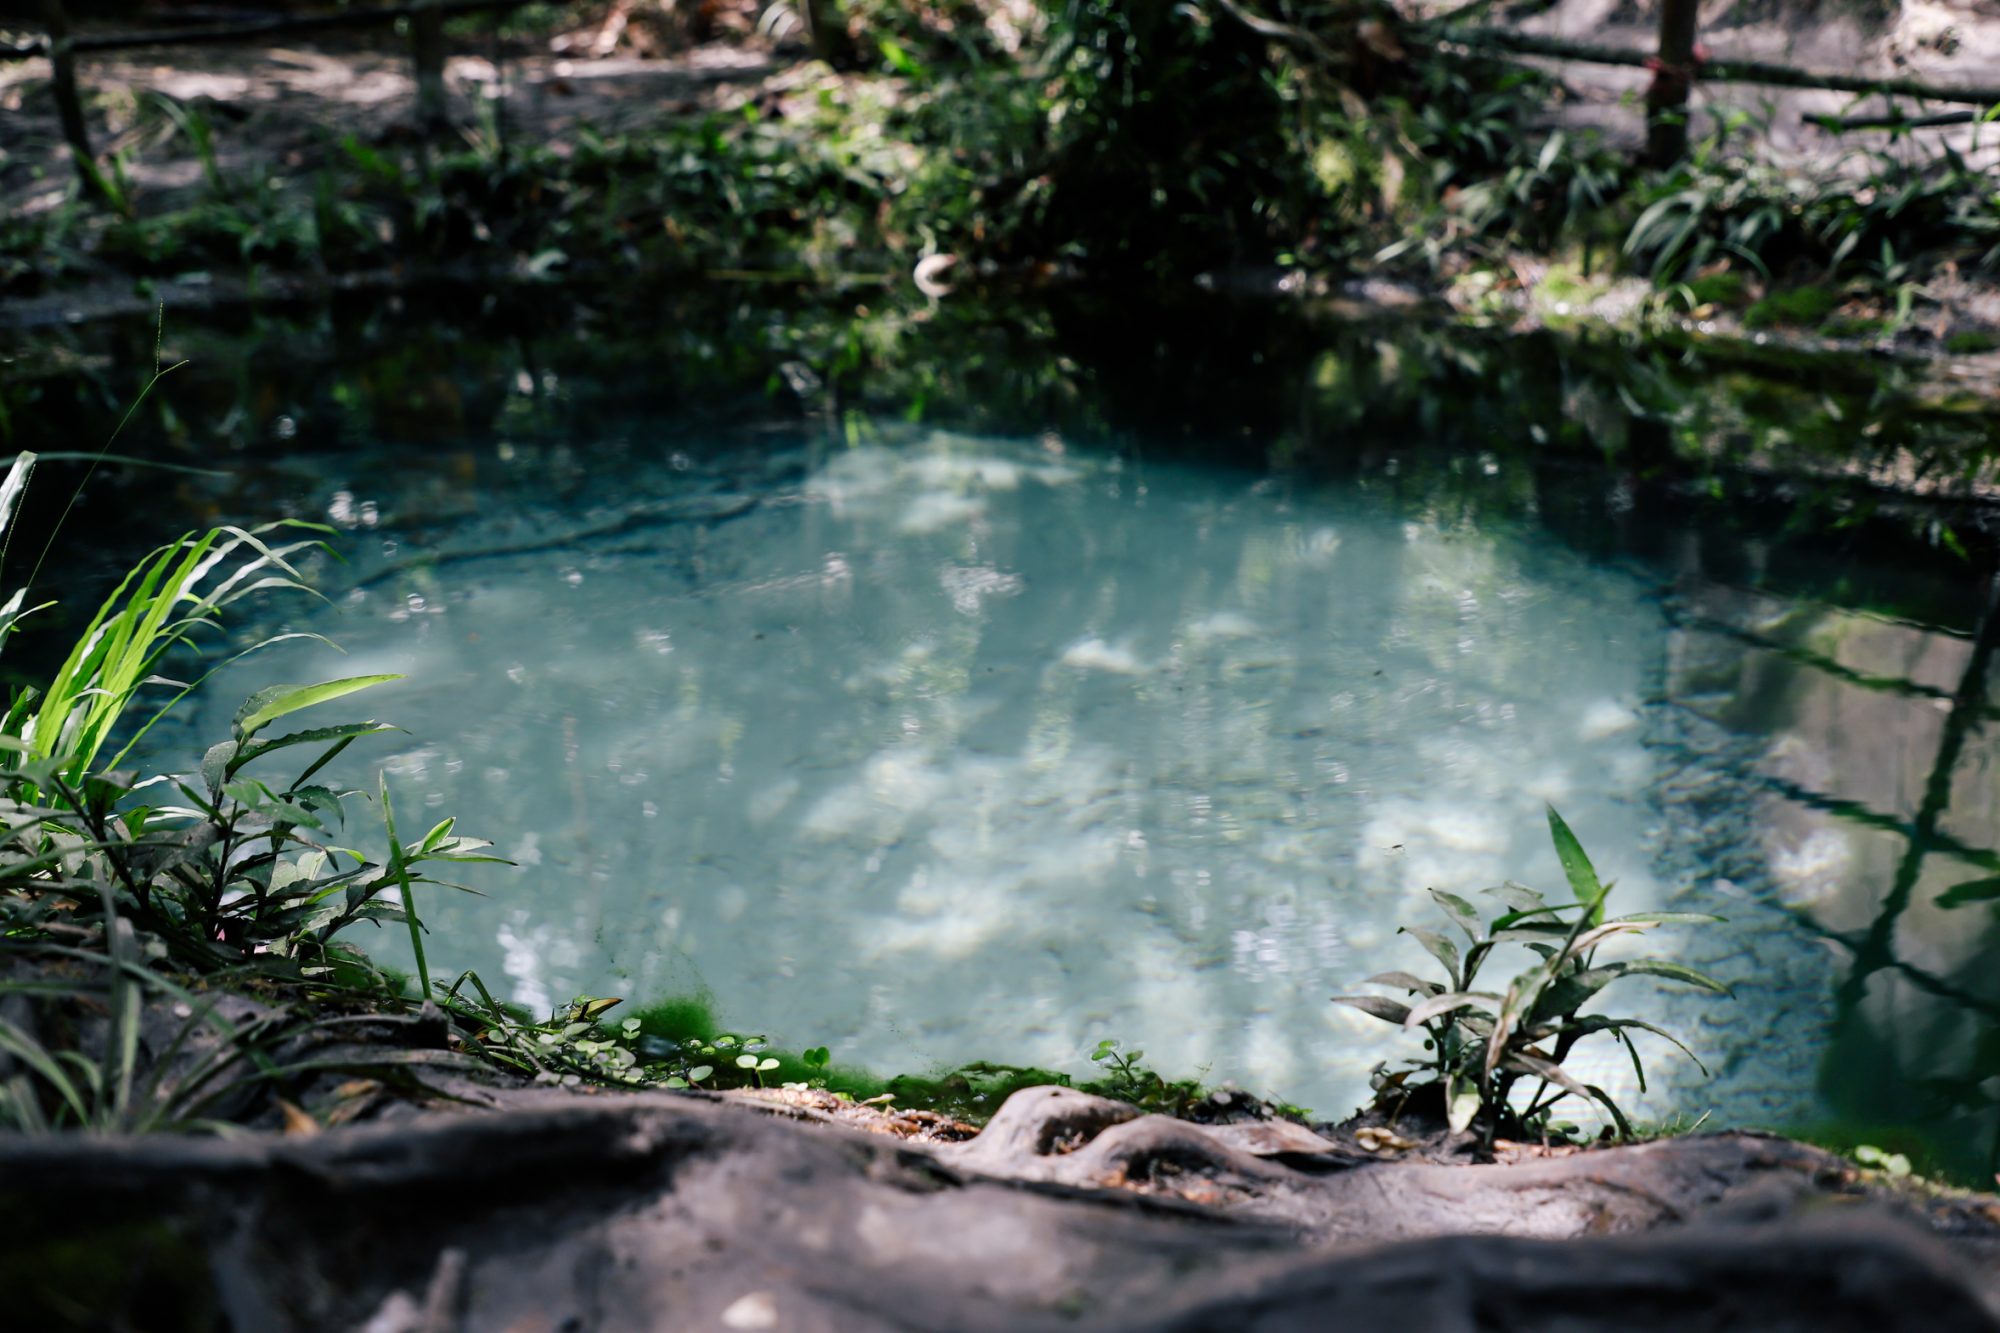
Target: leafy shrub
(108, 892)
(1486, 1042)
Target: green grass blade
(268, 705)
(399, 868)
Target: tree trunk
(826, 31)
(427, 54)
(69, 103)
(1673, 78)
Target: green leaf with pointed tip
(1443, 1004)
(1438, 947)
(1405, 981)
(1525, 1062)
(1377, 1006)
(1460, 911)
(1972, 891)
(217, 765)
(1541, 932)
(1519, 897)
(1599, 1023)
(268, 705)
(1582, 876)
(1668, 918)
(1654, 967)
(1596, 935)
(347, 731)
(439, 832)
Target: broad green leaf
(1404, 980)
(1522, 994)
(1653, 967)
(1526, 1062)
(1576, 866)
(268, 705)
(1439, 948)
(1460, 911)
(347, 731)
(215, 765)
(14, 487)
(1444, 1004)
(1596, 935)
(1972, 891)
(439, 832)
(1669, 918)
(462, 850)
(1540, 932)
(1519, 897)
(1569, 993)
(1378, 1006)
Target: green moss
(1728, 288)
(1968, 342)
(1566, 284)
(676, 1019)
(1855, 326)
(1799, 306)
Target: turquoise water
(1156, 721)
(940, 746)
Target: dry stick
(1841, 124)
(1713, 71)
(218, 34)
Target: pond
(1005, 693)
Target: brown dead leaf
(299, 1122)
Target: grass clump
(124, 897)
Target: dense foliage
(1170, 140)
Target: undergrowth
(1162, 140)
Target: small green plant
(1894, 1165)
(1485, 1043)
(575, 1046)
(1127, 1080)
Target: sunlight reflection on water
(990, 749)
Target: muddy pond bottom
(951, 748)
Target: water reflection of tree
(1874, 949)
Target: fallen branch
(239, 32)
(1841, 124)
(1711, 71)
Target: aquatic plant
(1484, 1043)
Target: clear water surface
(950, 746)
(934, 746)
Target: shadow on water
(1822, 527)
